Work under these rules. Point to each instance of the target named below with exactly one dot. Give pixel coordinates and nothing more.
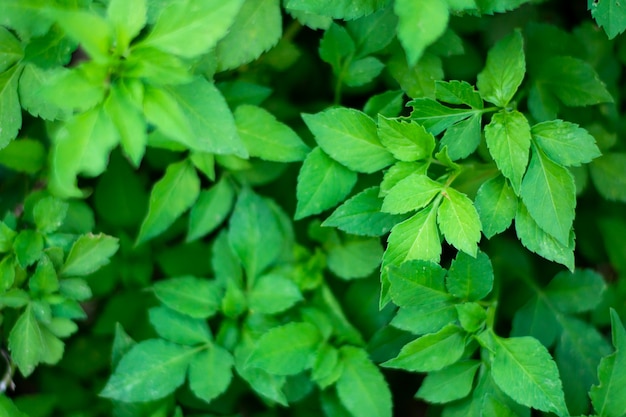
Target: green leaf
(216, 362)
(610, 16)
(171, 196)
(496, 204)
(24, 155)
(535, 239)
(436, 117)
(188, 28)
(523, 368)
(49, 213)
(415, 238)
(211, 209)
(255, 234)
(565, 143)
(212, 122)
(267, 138)
(336, 46)
(498, 6)
(10, 109)
(355, 258)
(399, 171)
(28, 247)
(322, 183)
(462, 138)
(349, 137)
(508, 138)
(470, 278)
(449, 384)
(361, 215)
(285, 350)
(412, 193)
(89, 29)
(88, 254)
(75, 289)
(536, 319)
(427, 318)
(327, 368)
(337, 9)
(129, 122)
(431, 352)
(179, 328)
(417, 283)
(9, 409)
(608, 174)
(575, 292)
(273, 293)
(504, 71)
(420, 23)
(458, 92)
(26, 342)
(151, 370)
(10, 49)
(362, 389)
(195, 297)
(472, 316)
(407, 141)
(387, 104)
(122, 343)
(549, 193)
(257, 28)
(363, 71)
(609, 396)
(7, 235)
(459, 221)
(372, 33)
(128, 18)
(44, 280)
(573, 81)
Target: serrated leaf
(608, 174)
(361, 215)
(610, 16)
(459, 221)
(355, 258)
(285, 350)
(257, 28)
(431, 352)
(210, 372)
(212, 122)
(535, 239)
(49, 213)
(420, 23)
(11, 50)
(195, 297)
(504, 71)
(44, 280)
(211, 209)
(436, 117)
(151, 370)
(549, 193)
(10, 110)
(32, 85)
(415, 238)
(407, 141)
(273, 293)
(179, 328)
(190, 28)
(462, 138)
(449, 384)
(496, 204)
(88, 254)
(170, 197)
(609, 396)
(458, 92)
(267, 138)
(337, 9)
(523, 368)
(128, 18)
(417, 283)
(349, 137)
(26, 342)
(470, 278)
(322, 184)
(362, 389)
(399, 171)
(508, 138)
(565, 143)
(255, 234)
(573, 81)
(575, 292)
(412, 193)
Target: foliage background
(271, 208)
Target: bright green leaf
(407, 141)
(415, 238)
(273, 293)
(429, 317)
(459, 221)
(412, 193)
(26, 342)
(211, 209)
(565, 143)
(75, 289)
(195, 297)
(10, 49)
(10, 110)
(24, 155)
(610, 16)
(417, 284)
(44, 280)
(337, 9)
(128, 18)
(179, 328)
(458, 92)
(462, 138)
(89, 29)
(436, 117)
(496, 204)
(49, 213)
(88, 254)
(363, 71)
(470, 278)
(210, 372)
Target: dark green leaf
(49, 213)
(322, 183)
(28, 247)
(349, 137)
(436, 117)
(337, 9)
(26, 342)
(44, 280)
(285, 350)
(151, 370)
(355, 258)
(179, 328)
(10, 110)
(196, 297)
(273, 293)
(417, 283)
(470, 278)
(449, 384)
(373, 32)
(211, 209)
(472, 316)
(536, 319)
(608, 174)
(462, 138)
(363, 71)
(336, 46)
(458, 92)
(210, 372)
(429, 317)
(88, 254)
(576, 292)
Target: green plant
(312, 207)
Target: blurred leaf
(195, 297)
(88, 254)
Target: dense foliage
(347, 208)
